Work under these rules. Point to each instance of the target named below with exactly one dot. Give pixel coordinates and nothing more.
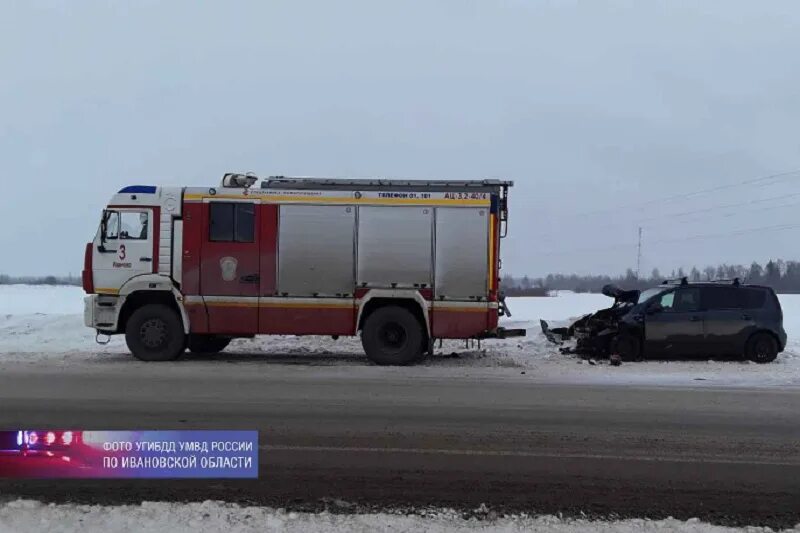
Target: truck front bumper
(101, 312)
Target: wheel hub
(762, 350)
(153, 333)
(393, 335)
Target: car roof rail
(677, 281)
(735, 281)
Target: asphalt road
(419, 436)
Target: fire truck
(400, 262)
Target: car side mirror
(655, 309)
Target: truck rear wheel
(392, 335)
(207, 343)
(154, 333)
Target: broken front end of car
(593, 335)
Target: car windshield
(649, 293)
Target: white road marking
(514, 453)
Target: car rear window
(734, 298)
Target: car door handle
(250, 278)
(146, 259)
(694, 319)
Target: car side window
(686, 300)
(718, 298)
(754, 298)
(681, 300)
(667, 300)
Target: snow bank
(44, 325)
(25, 515)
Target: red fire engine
(400, 262)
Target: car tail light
(86, 276)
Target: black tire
(761, 348)
(629, 347)
(393, 336)
(207, 344)
(155, 333)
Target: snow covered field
(23, 516)
(44, 325)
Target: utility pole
(639, 254)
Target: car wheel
(628, 347)
(393, 336)
(155, 333)
(207, 344)
(762, 348)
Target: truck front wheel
(154, 333)
(392, 336)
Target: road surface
(382, 437)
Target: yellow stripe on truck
(272, 199)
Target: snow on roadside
(26, 515)
(42, 324)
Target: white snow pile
(25, 515)
(44, 325)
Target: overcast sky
(599, 111)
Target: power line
(704, 212)
(778, 227)
(723, 206)
(751, 181)
(642, 205)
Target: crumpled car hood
(620, 295)
(593, 331)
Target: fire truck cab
(402, 262)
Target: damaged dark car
(679, 318)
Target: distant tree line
(781, 275)
(39, 280)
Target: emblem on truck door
(228, 266)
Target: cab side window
(111, 224)
(133, 225)
(231, 222)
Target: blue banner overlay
(128, 454)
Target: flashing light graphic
(128, 454)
